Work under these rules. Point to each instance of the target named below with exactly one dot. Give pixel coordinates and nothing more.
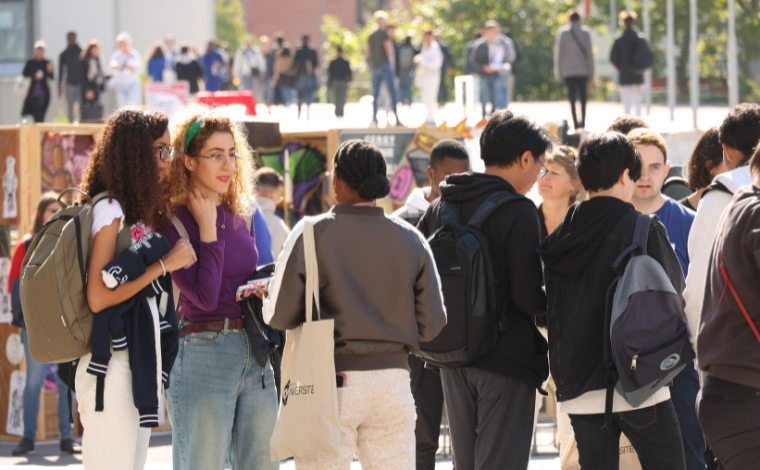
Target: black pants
(730, 417)
(427, 391)
(576, 87)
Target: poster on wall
(5, 296)
(15, 422)
(168, 97)
(406, 153)
(64, 160)
(8, 168)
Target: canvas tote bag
(308, 422)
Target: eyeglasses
(543, 171)
(166, 153)
(218, 159)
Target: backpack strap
(717, 186)
(449, 213)
(490, 205)
(640, 238)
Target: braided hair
(362, 166)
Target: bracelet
(162, 266)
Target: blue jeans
(287, 95)
(488, 92)
(502, 92)
(405, 87)
(653, 432)
(384, 73)
(306, 85)
(129, 94)
(684, 393)
(35, 378)
(217, 405)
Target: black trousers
(730, 417)
(427, 391)
(577, 88)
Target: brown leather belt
(213, 325)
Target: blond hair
(649, 137)
(567, 158)
(239, 195)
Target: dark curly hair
(741, 128)
(625, 124)
(124, 164)
(362, 166)
(707, 154)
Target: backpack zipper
(658, 348)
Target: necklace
(225, 219)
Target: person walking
(284, 72)
(39, 71)
(114, 438)
(250, 67)
(728, 343)
(36, 372)
(490, 402)
(223, 402)
(189, 69)
(705, 163)
(428, 74)
(503, 90)
(213, 67)
(378, 52)
(126, 65)
(171, 55)
(447, 157)
(93, 82)
(578, 257)
(156, 63)
(677, 219)
(306, 78)
(268, 51)
(574, 63)
(340, 75)
(622, 54)
(405, 69)
(70, 68)
(374, 332)
(489, 57)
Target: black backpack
(474, 320)
(642, 57)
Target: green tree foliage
(230, 23)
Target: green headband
(194, 129)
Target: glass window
(14, 26)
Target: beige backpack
(54, 282)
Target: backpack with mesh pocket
(54, 282)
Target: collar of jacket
(357, 210)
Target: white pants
(377, 419)
(631, 96)
(428, 83)
(129, 94)
(113, 438)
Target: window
(15, 29)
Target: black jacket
(578, 257)
(621, 57)
(339, 70)
(70, 65)
(304, 57)
(513, 236)
(38, 96)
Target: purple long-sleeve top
(208, 287)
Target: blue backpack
(646, 336)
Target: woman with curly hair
(705, 163)
(128, 162)
(222, 403)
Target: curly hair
(124, 164)
(238, 197)
(362, 166)
(707, 154)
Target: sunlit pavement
(160, 457)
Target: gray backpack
(646, 336)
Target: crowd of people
(184, 198)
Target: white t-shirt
(592, 403)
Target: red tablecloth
(225, 98)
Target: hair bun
(376, 186)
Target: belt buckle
(226, 326)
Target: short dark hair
(447, 148)
(574, 15)
(602, 158)
(625, 124)
(268, 178)
(741, 128)
(506, 137)
(708, 149)
(339, 50)
(362, 166)
(305, 39)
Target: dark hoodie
(726, 345)
(578, 258)
(512, 232)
